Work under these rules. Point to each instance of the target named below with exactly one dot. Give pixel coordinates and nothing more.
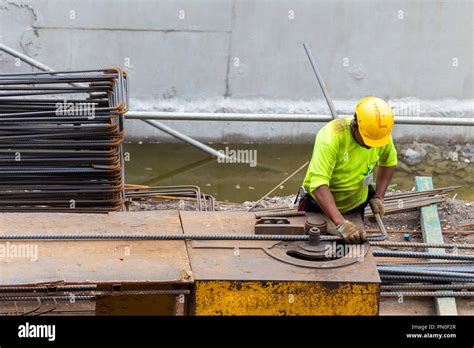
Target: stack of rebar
(61, 139)
(202, 201)
(406, 201)
(451, 272)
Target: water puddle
(179, 164)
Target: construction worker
(340, 173)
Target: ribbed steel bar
(419, 278)
(49, 298)
(411, 271)
(128, 236)
(427, 286)
(423, 245)
(427, 293)
(46, 288)
(408, 254)
(427, 264)
(92, 295)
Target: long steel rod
(155, 115)
(25, 58)
(48, 298)
(235, 237)
(410, 254)
(259, 117)
(55, 236)
(320, 81)
(32, 62)
(277, 186)
(419, 278)
(209, 150)
(422, 272)
(93, 295)
(422, 245)
(427, 293)
(427, 286)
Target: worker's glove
(376, 204)
(351, 233)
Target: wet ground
(179, 164)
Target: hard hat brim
(376, 142)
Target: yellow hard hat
(375, 121)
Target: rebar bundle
(203, 201)
(406, 201)
(61, 139)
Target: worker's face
(357, 136)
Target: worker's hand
(376, 204)
(351, 233)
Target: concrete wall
(243, 55)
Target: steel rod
(259, 117)
(55, 236)
(419, 278)
(411, 271)
(427, 286)
(174, 133)
(321, 82)
(427, 293)
(25, 58)
(408, 254)
(31, 61)
(422, 245)
(277, 186)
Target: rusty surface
(88, 261)
(246, 260)
(283, 226)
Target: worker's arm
(384, 176)
(348, 230)
(326, 201)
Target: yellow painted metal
(285, 298)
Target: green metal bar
(432, 233)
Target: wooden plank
(432, 233)
(96, 262)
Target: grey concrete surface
(247, 56)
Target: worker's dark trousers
(310, 205)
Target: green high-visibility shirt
(341, 164)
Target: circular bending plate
(279, 251)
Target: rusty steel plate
(247, 260)
(98, 261)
